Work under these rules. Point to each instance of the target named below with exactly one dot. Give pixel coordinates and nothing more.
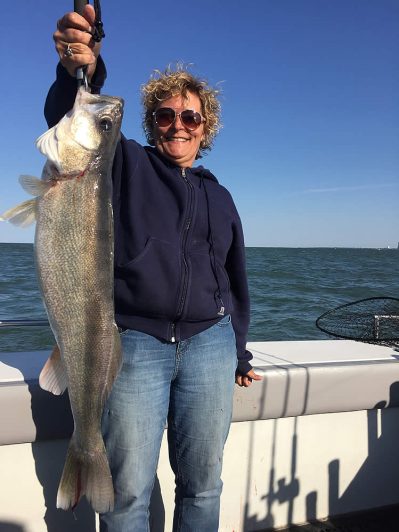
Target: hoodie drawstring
(218, 293)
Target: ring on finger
(68, 52)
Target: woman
(181, 296)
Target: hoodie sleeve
(62, 93)
(236, 270)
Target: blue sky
(310, 143)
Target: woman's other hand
(74, 42)
(246, 380)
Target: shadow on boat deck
(362, 493)
(10, 527)
(381, 520)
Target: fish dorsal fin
(53, 377)
(47, 144)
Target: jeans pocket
(224, 321)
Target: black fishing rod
(97, 35)
(79, 5)
(81, 77)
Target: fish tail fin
(22, 215)
(86, 473)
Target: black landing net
(373, 320)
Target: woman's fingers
(73, 37)
(75, 55)
(79, 22)
(74, 43)
(246, 380)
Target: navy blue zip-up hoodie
(179, 247)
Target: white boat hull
(286, 463)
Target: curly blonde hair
(178, 81)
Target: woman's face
(176, 142)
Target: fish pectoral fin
(47, 144)
(22, 215)
(33, 185)
(53, 376)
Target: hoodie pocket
(148, 284)
(202, 301)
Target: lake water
(289, 287)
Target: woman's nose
(178, 124)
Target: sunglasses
(166, 116)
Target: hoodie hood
(199, 171)
(204, 173)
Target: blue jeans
(190, 385)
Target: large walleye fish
(74, 262)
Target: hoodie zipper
(173, 335)
(187, 225)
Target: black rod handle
(79, 5)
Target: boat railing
(25, 322)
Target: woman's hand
(74, 43)
(246, 380)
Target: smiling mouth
(176, 139)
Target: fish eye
(105, 124)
